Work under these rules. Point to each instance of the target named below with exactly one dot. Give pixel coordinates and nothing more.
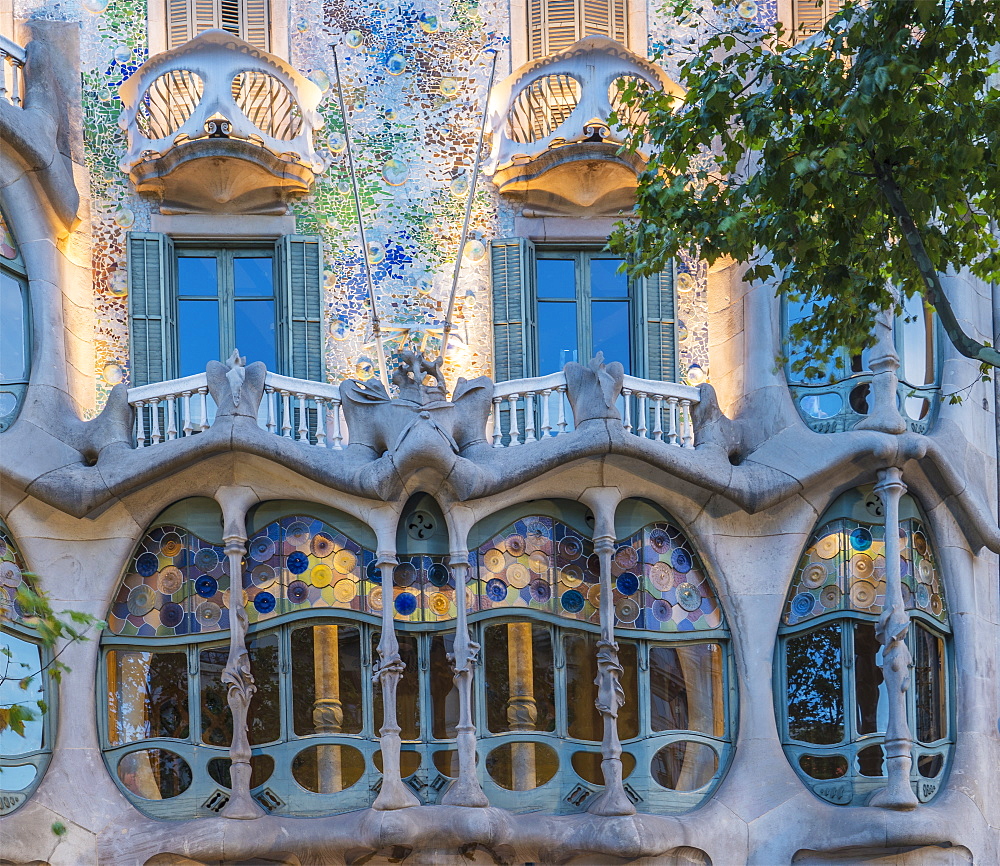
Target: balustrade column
(328, 711)
(891, 631)
(465, 790)
(394, 794)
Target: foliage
(51, 628)
(860, 158)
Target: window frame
(15, 270)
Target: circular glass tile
(861, 538)
(627, 583)
(862, 594)
(626, 557)
(406, 603)
(208, 613)
(439, 604)
(141, 600)
(147, 564)
(494, 560)
(802, 604)
(322, 545)
(170, 544)
(171, 615)
(297, 534)
(10, 575)
(684, 765)
(344, 591)
(154, 774)
(205, 559)
(681, 560)
(571, 576)
(263, 602)
(814, 576)
(405, 574)
(627, 609)
(437, 574)
(570, 548)
(170, 580)
(496, 589)
(518, 576)
(321, 575)
(538, 562)
(862, 565)
(375, 598)
(515, 545)
(206, 586)
(688, 597)
(297, 562)
(540, 591)
(936, 604)
(572, 600)
(659, 540)
(830, 596)
(924, 571)
(661, 610)
(661, 576)
(297, 591)
(828, 546)
(344, 561)
(262, 576)
(923, 595)
(920, 543)
(261, 548)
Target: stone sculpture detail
(883, 411)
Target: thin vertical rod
(383, 373)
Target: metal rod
(383, 372)
(468, 213)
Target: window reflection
(407, 692)
(326, 680)
(815, 704)
(928, 676)
(869, 689)
(519, 672)
(584, 721)
(147, 695)
(685, 685)
(265, 705)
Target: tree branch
(935, 291)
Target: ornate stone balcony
(554, 149)
(218, 126)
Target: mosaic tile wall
(415, 76)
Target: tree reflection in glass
(147, 695)
(928, 675)
(814, 692)
(265, 707)
(685, 685)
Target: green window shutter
(513, 269)
(661, 327)
(300, 269)
(152, 302)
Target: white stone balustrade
(11, 72)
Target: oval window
(684, 765)
(588, 766)
(328, 768)
(154, 774)
(261, 767)
(522, 766)
(823, 766)
(409, 762)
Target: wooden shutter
(661, 327)
(809, 15)
(256, 25)
(152, 302)
(248, 19)
(300, 269)
(513, 262)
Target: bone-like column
(328, 712)
(522, 710)
(896, 659)
(465, 790)
(610, 695)
(394, 793)
(883, 411)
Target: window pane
(197, 335)
(605, 282)
(326, 680)
(917, 343)
(815, 698)
(444, 694)
(556, 278)
(13, 346)
(253, 277)
(407, 692)
(928, 675)
(25, 660)
(584, 721)
(610, 324)
(255, 331)
(869, 690)
(197, 276)
(685, 687)
(557, 344)
(265, 706)
(147, 695)
(519, 671)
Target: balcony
(554, 150)
(218, 126)
(12, 58)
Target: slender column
(154, 424)
(883, 412)
(497, 430)
(896, 659)
(271, 426)
(328, 711)
(140, 427)
(203, 400)
(546, 426)
(394, 794)
(672, 421)
(187, 429)
(515, 433)
(338, 436)
(321, 422)
(627, 417)
(529, 417)
(610, 695)
(522, 711)
(239, 678)
(561, 423)
(465, 790)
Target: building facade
(311, 298)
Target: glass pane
(871, 761)
(815, 698)
(444, 694)
(25, 660)
(611, 327)
(685, 687)
(197, 335)
(522, 766)
(917, 343)
(824, 766)
(154, 774)
(255, 331)
(265, 705)
(928, 677)
(261, 768)
(869, 690)
(326, 769)
(197, 277)
(557, 343)
(587, 766)
(519, 671)
(556, 278)
(796, 311)
(604, 282)
(13, 346)
(684, 765)
(253, 277)
(326, 680)
(147, 695)
(407, 692)
(584, 721)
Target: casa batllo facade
(416, 531)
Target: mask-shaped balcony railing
(554, 149)
(216, 125)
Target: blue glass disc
(297, 591)
(681, 560)
(802, 604)
(438, 574)
(147, 565)
(406, 603)
(171, 615)
(861, 538)
(297, 562)
(496, 589)
(627, 583)
(206, 586)
(263, 602)
(572, 601)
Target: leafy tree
(862, 158)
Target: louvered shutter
(248, 19)
(256, 27)
(513, 262)
(300, 268)
(661, 327)
(152, 301)
(556, 24)
(809, 16)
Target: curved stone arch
(828, 654)
(23, 757)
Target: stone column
(465, 790)
(394, 793)
(883, 411)
(610, 694)
(522, 711)
(328, 712)
(896, 659)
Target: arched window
(832, 702)
(24, 755)
(834, 397)
(15, 337)
(314, 597)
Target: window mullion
(227, 303)
(584, 327)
